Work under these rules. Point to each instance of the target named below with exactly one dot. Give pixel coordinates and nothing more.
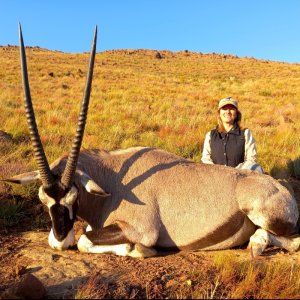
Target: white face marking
(69, 200)
(70, 197)
(66, 201)
(45, 198)
(64, 244)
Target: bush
(294, 166)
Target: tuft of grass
(256, 279)
(12, 213)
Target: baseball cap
(228, 100)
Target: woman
(229, 144)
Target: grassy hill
(165, 100)
(142, 97)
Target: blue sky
(264, 29)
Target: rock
(30, 287)
(158, 55)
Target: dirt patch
(60, 271)
(63, 272)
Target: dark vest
(228, 148)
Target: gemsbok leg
(270, 208)
(111, 239)
(262, 238)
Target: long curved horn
(69, 173)
(43, 166)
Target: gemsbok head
(58, 191)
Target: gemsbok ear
(90, 185)
(24, 178)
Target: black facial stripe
(56, 191)
(61, 222)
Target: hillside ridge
(159, 54)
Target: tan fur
(160, 199)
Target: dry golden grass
(216, 275)
(138, 99)
(256, 279)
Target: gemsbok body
(142, 199)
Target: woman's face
(228, 114)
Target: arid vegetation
(138, 99)
(217, 275)
(166, 100)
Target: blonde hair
(238, 120)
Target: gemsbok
(142, 199)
